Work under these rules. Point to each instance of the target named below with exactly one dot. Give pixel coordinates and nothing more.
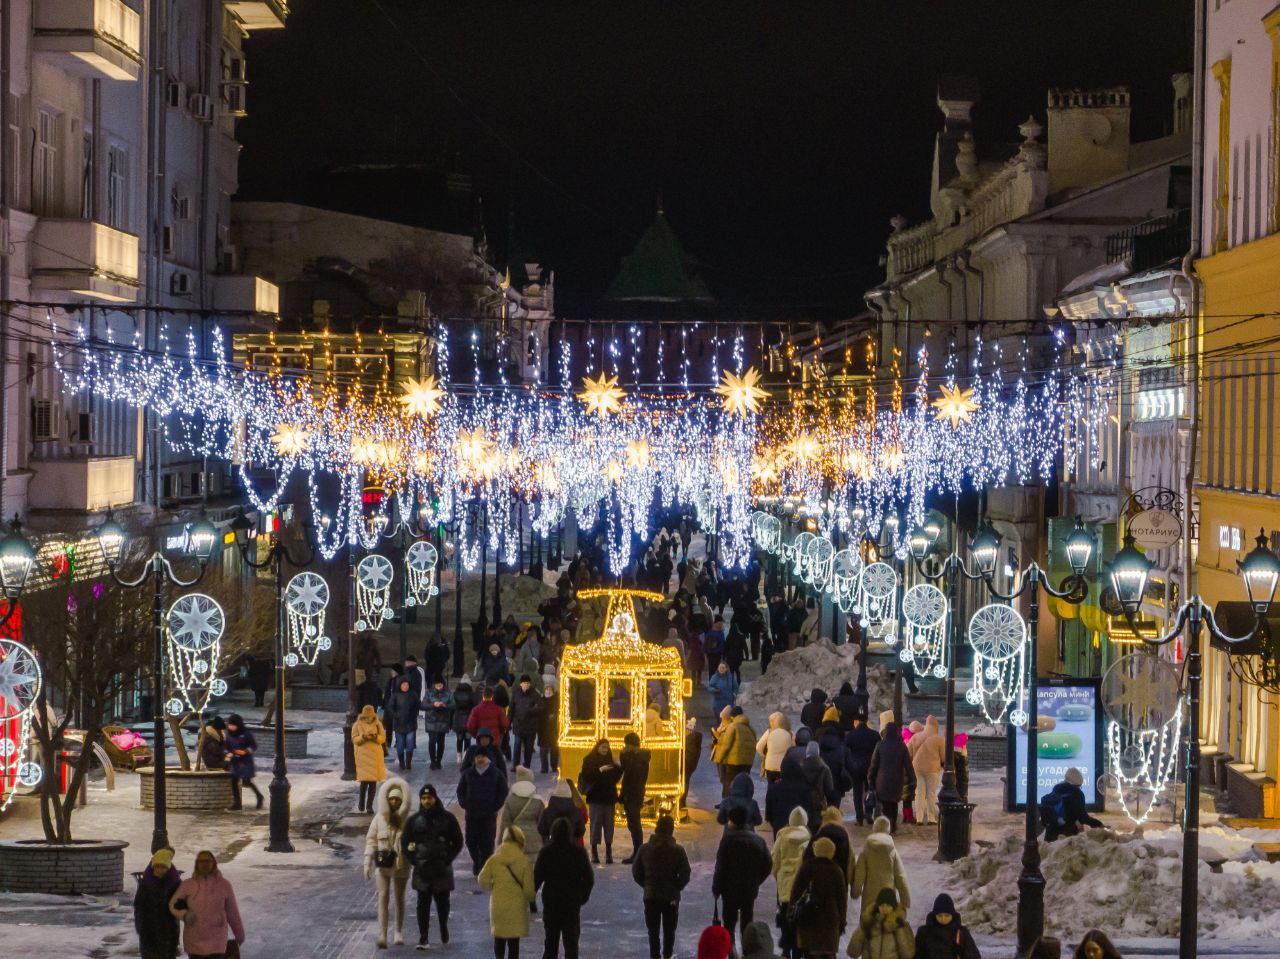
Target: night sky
(782, 135)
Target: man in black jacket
(811, 712)
(1064, 810)
(431, 841)
(742, 865)
(692, 753)
(661, 868)
(565, 877)
(635, 776)
(526, 717)
(482, 789)
(861, 745)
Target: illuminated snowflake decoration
(998, 637)
(194, 627)
(877, 601)
(955, 405)
(602, 395)
(374, 574)
(420, 562)
(306, 598)
(924, 643)
(422, 397)
(1142, 699)
(19, 680)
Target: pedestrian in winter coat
(212, 749)
(487, 713)
(526, 718)
(436, 657)
(811, 713)
(831, 750)
(803, 736)
(849, 704)
(742, 865)
(239, 746)
(692, 753)
(482, 791)
(878, 868)
(757, 942)
(742, 793)
(1063, 809)
(817, 775)
(598, 782)
(631, 791)
(774, 743)
(715, 943)
(493, 667)
(720, 732)
(891, 773)
(928, 751)
(508, 878)
(384, 856)
(561, 805)
(832, 828)
(549, 729)
(789, 846)
(437, 719)
(735, 750)
(960, 757)
(860, 745)
(695, 657)
(367, 739)
(565, 877)
(485, 744)
(205, 904)
(523, 809)
(402, 717)
(431, 841)
(464, 700)
(713, 647)
(821, 882)
(723, 688)
(791, 790)
(661, 869)
(883, 932)
(1094, 945)
(944, 936)
(155, 925)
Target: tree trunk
(175, 726)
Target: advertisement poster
(1070, 735)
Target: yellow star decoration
(612, 471)
(290, 440)
(422, 397)
(955, 404)
(421, 463)
(891, 459)
(741, 394)
(472, 446)
(602, 395)
(858, 463)
(638, 453)
(804, 448)
(764, 468)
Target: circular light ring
(997, 632)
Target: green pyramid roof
(658, 270)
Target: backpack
(1053, 809)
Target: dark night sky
(783, 135)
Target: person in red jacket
(488, 713)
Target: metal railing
(1152, 242)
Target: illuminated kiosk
(606, 688)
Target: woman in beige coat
(879, 868)
(384, 859)
(523, 809)
(788, 854)
(773, 745)
(367, 738)
(508, 878)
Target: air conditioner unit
(176, 93)
(182, 207)
(46, 420)
(86, 428)
(233, 99)
(180, 283)
(201, 107)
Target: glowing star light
(290, 440)
(602, 395)
(741, 394)
(422, 397)
(638, 453)
(955, 404)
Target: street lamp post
(200, 540)
(1260, 570)
(17, 558)
(278, 812)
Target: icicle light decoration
(194, 626)
(998, 637)
(305, 599)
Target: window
(1272, 23)
(86, 177)
(46, 173)
(118, 188)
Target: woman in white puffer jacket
(773, 745)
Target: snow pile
(792, 676)
(1118, 882)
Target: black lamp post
(246, 537)
(17, 558)
(200, 541)
(1260, 571)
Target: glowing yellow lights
(290, 440)
(422, 397)
(892, 459)
(858, 463)
(373, 454)
(764, 468)
(422, 464)
(602, 395)
(741, 394)
(955, 404)
(638, 453)
(612, 471)
(804, 448)
(472, 447)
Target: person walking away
(803, 736)
(482, 791)
(944, 936)
(206, 906)
(239, 747)
(695, 657)
(436, 656)
(819, 902)
(742, 792)
(561, 805)
(437, 719)
(155, 925)
(928, 751)
(635, 777)
(431, 841)
(564, 874)
(811, 713)
(796, 617)
(488, 713)
(789, 845)
(786, 794)
(661, 869)
(713, 646)
(723, 687)
(384, 859)
(735, 649)
(773, 745)
(742, 865)
(598, 782)
(832, 752)
(367, 740)
(692, 753)
(883, 932)
(960, 756)
(1094, 945)
(879, 868)
(817, 775)
(891, 773)
(757, 940)
(526, 718)
(464, 700)
(721, 731)
(860, 744)
(212, 749)
(523, 809)
(508, 878)
(259, 677)
(549, 729)
(736, 749)
(1063, 809)
(402, 713)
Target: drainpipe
(6, 174)
(965, 262)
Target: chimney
(957, 97)
(1088, 136)
(1181, 102)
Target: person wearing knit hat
(156, 926)
(944, 936)
(883, 933)
(886, 717)
(1064, 809)
(831, 716)
(431, 841)
(508, 878)
(526, 719)
(523, 808)
(715, 943)
(820, 881)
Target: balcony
(94, 39)
(259, 14)
(1153, 242)
(83, 258)
(245, 295)
(81, 483)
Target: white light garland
(877, 601)
(420, 567)
(998, 637)
(373, 592)
(306, 598)
(194, 627)
(925, 613)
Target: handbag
(803, 909)
(232, 951)
(385, 858)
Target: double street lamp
(200, 540)
(17, 558)
(1260, 570)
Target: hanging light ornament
(194, 626)
(955, 405)
(422, 397)
(289, 440)
(305, 599)
(1141, 697)
(19, 692)
(998, 637)
(820, 556)
(420, 567)
(877, 601)
(602, 395)
(373, 591)
(846, 570)
(924, 611)
(741, 395)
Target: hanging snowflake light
(420, 566)
(194, 625)
(19, 690)
(373, 591)
(819, 556)
(1140, 695)
(305, 600)
(846, 571)
(924, 644)
(998, 637)
(877, 601)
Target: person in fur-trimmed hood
(523, 808)
(883, 932)
(384, 858)
(879, 867)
